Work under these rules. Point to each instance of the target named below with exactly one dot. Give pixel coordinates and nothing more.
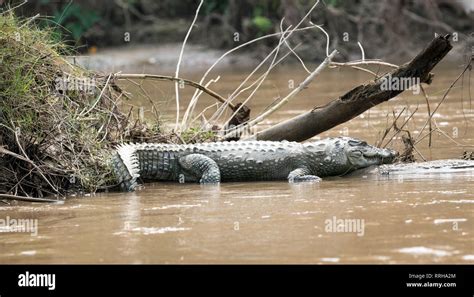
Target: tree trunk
(359, 99)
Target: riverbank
(59, 122)
(386, 29)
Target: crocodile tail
(126, 166)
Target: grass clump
(59, 122)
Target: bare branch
(301, 87)
(176, 79)
(176, 85)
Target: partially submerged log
(359, 99)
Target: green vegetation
(103, 23)
(215, 7)
(263, 24)
(58, 121)
(19, 48)
(75, 19)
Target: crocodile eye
(357, 143)
(354, 142)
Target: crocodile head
(361, 155)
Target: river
(417, 219)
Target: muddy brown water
(417, 219)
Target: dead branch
(359, 99)
(296, 91)
(387, 130)
(428, 107)
(468, 66)
(176, 85)
(175, 79)
(196, 95)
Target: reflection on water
(413, 219)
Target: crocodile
(244, 161)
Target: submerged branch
(27, 199)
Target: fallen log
(359, 99)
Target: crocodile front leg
(302, 175)
(202, 167)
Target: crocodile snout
(389, 155)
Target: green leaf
(76, 30)
(262, 23)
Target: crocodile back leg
(202, 167)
